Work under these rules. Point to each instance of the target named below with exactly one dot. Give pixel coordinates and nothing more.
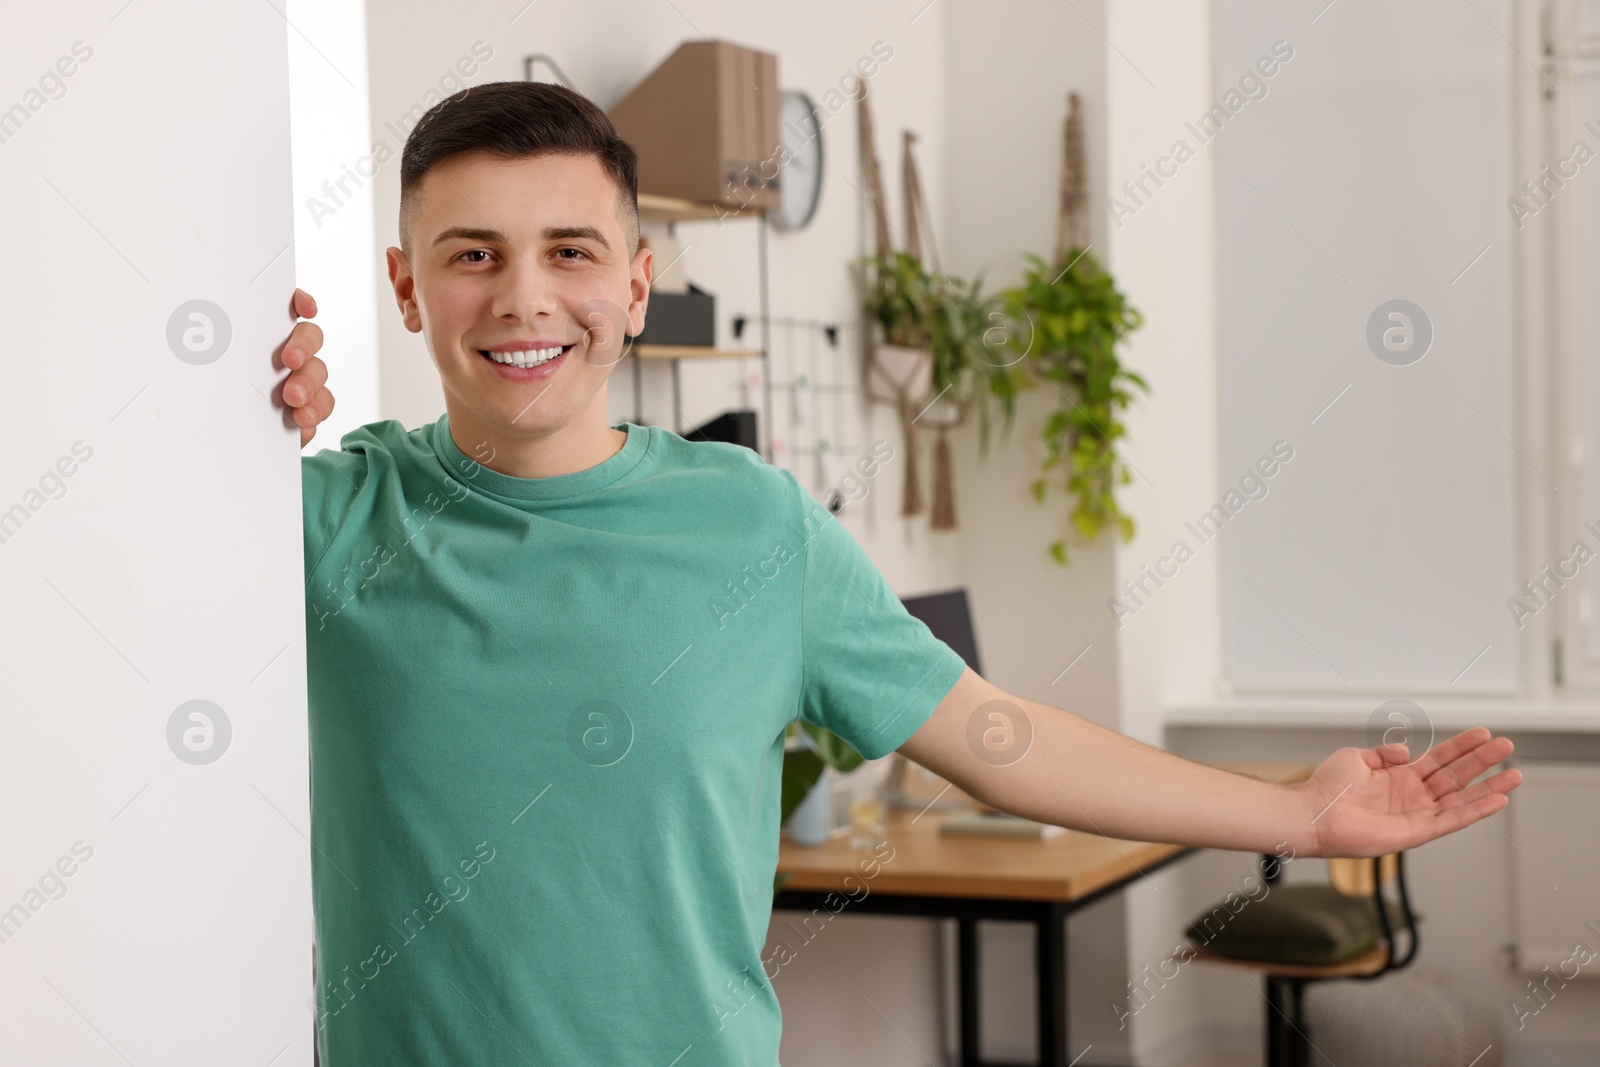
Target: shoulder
(728, 470)
(364, 452)
(337, 484)
(734, 488)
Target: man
(552, 661)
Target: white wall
(1003, 164)
(334, 163)
(1381, 557)
(1163, 256)
(157, 905)
(1034, 618)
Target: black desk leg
(967, 964)
(1050, 965)
(1051, 960)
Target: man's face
(516, 257)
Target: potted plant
(970, 357)
(1065, 321)
(898, 300)
(938, 359)
(809, 752)
(1060, 327)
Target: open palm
(1371, 801)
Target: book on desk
(990, 823)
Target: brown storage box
(705, 125)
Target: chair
(1273, 954)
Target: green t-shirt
(547, 724)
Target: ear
(640, 278)
(405, 288)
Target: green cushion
(1303, 924)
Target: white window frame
(1563, 423)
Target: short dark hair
(514, 120)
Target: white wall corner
(1163, 256)
(334, 165)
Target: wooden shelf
(657, 210)
(694, 352)
(672, 209)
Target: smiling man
(527, 307)
(545, 766)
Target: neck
(585, 442)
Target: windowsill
(1506, 715)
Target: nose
(527, 290)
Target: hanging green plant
(898, 297)
(949, 324)
(1066, 320)
(955, 322)
(967, 361)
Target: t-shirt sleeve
(330, 482)
(873, 672)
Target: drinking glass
(869, 813)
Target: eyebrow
(551, 233)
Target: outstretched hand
(306, 390)
(1371, 801)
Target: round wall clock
(800, 169)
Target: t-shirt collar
(470, 472)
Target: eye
(579, 251)
(475, 252)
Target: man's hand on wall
(305, 391)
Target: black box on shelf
(735, 427)
(680, 319)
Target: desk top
(1069, 867)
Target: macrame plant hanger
(893, 378)
(1072, 221)
(939, 414)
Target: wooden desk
(968, 879)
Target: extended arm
(1070, 772)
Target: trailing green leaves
(1067, 320)
(1060, 328)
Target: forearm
(1052, 766)
(1084, 776)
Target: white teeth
(527, 358)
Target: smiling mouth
(532, 357)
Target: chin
(514, 420)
